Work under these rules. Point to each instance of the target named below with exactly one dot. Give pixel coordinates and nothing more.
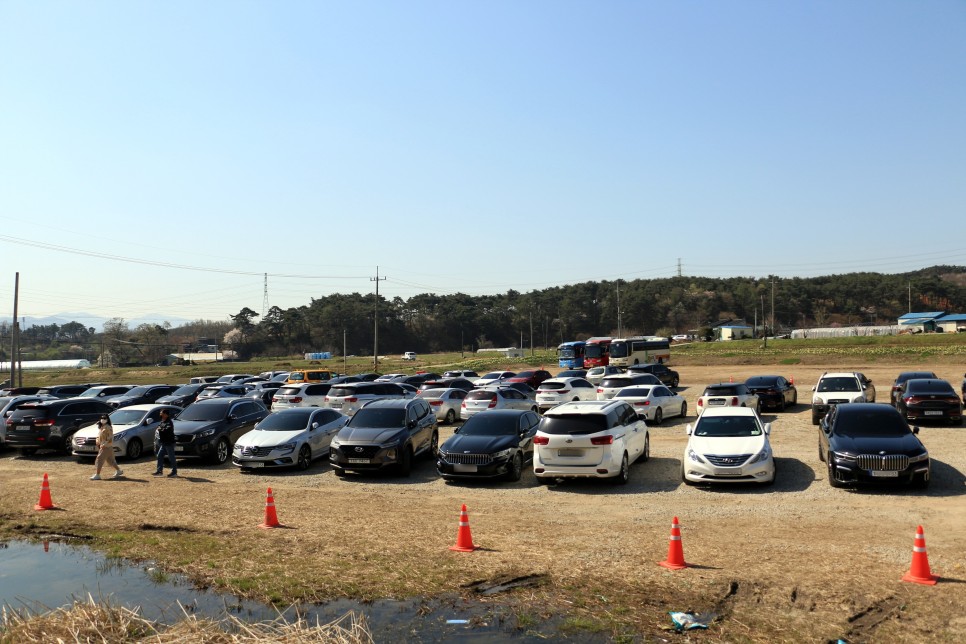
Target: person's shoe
(158, 473)
(96, 477)
(173, 475)
(118, 474)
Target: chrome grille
(727, 460)
(837, 401)
(466, 459)
(359, 451)
(92, 440)
(887, 463)
(256, 451)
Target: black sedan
(491, 445)
(903, 377)
(862, 443)
(774, 392)
(929, 399)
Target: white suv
(589, 438)
(309, 394)
(351, 397)
(834, 388)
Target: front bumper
(486, 469)
(760, 472)
(364, 458)
(189, 446)
(848, 472)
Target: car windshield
(286, 422)
(186, 390)
(838, 383)
(493, 375)
(93, 392)
(634, 392)
(929, 388)
(137, 391)
(727, 426)
(203, 412)
(296, 376)
(595, 371)
(622, 381)
(720, 391)
(858, 423)
(576, 424)
(379, 417)
(487, 425)
(127, 416)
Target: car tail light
(602, 440)
(492, 403)
(600, 390)
(734, 401)
(700, 403)
(541, 440)
(911, 400)
(436, 403)
(642, 404)
(560, 391)
(351, 400)
(43, 422)
(295, 399)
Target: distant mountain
(96, 321)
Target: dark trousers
(167, 448)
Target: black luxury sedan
(929, 399)
(491, 445)
(774, 392)
(862, 443)
(903, 377)
(386, 433)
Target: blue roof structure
(932, 315)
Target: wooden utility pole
(375, 334)
(15, 333)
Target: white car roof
(728, 411)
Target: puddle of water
(42, 577)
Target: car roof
(390, 402)
(148, 407)
(582, 407)
(728, 411)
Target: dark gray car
(385, 433)
(209, 428)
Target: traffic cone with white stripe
(464, 540)
(45, 502)
(271, 519)
(675, 549)
(919, 572)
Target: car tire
(758, 407)
(434, 445)
(781, 406)
(305, 458)
(67, 444)
(674, 383)
(684, 409)
(624, 474)
(450, 417)
(795, 399)
(815, 418)
(222, 451)
(405, 465)
(646, 454)
(821, 454)
(658, 416)
(515, 471)
(922, 483)
(134, 449)
(545, 480)
(534, 409)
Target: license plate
(570, 452)
(359, 460)
(715, 403)
(727, 472)
(85, 448)
(255, 464)
(457, 467)
(884, 474)
(179, 448)
(934, 413)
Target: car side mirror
(915, 430)
(315, 426)
(232, 417)
(813, 388)
(456, 430)
(767, 429)
(688, 429)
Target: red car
(533, 377)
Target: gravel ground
(798, 561)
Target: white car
(309, 394)
(409, 355)
(389, 377)
(554, 391)
(492, 378)
(596, 374)
(610, 385)
(728, 445)
(480, 400)
(289, 437)
(589, 438)
(654, 402)
(134, 428)
(728, 394)
(839, 387)
(446, 403)
(351, 397)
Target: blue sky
(160, 157)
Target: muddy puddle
(44, 576)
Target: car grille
(85, 441)
(184, 438)
(837, 401)
(889, 462)
(359, 451)
(466, 459)
(256, 451)
(727, 460)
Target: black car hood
(908, 444)
(166, 400)
(377, 435)
(195, 426)
(479, 444)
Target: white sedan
(133, 431)
(728, 445)
(445, 403)
(654, 402)
(554, 391)
(294, 436)
(493, 378)
(728, 394)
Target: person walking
(105, 449)
(165, 443)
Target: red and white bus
(597, 352)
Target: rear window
(930, 387)
(287, 391)
(550, 386)
(634, 392)
(622, 381)
(481, 395)
(340, 392)
(575, 424)
(721, 391)
(762, 381)
(432, 393)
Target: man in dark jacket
(165, 443)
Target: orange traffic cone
(791, 380)
(675, 550)
(919, 572)
(271, 519)
(731, 378)
(45, 503)
(464, 540)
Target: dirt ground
(798, 561)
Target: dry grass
(92, 621)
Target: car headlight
(335, 442)
(237, 449)
(206, 433)
(694, 456)
(122, 435)
(390, 445)
(817, 400)
(922, 457)
(859, 398)
(760, 456)
(842, 456)
(285, 449)
(504, 453)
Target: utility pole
(679, 267)
(345, 367)
(772, 307)
(620, 333)
(265, 298)
(375, 334)
(14, 332)
(910, 298)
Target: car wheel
(434, 445)
(515, 471)
(658, 416)
(821, 454)
(923, 483)
(831, 475)
(795, 399)
(624, 475)
(545, 480)
(406, 461)
(815, 418)
(684, 479)
(305, 458)
(781, 407)
(450, 417)
(758, 407)
(674, 383)
(134, 448)
(534, 409)
(646, 454)
(66, 446)
(222, 450)
(684, 409)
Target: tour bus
(571, 354)
(641, 349)
(597, 352)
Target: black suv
(668, 377)
(385, 433)
(51, 424)
(141, 395)
(208, 428)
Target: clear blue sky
(468, 146)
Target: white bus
(641, 349)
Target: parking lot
(792, 562)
